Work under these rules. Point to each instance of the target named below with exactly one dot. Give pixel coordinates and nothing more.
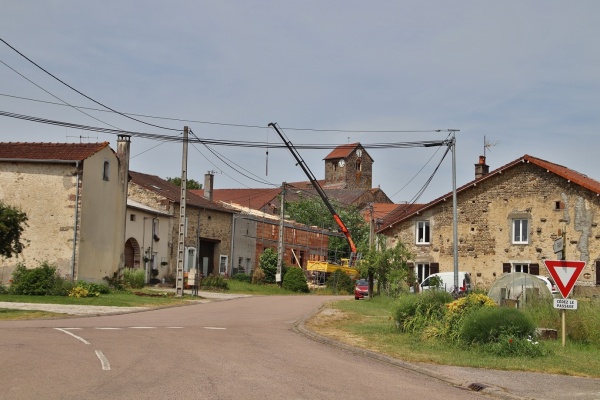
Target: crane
(354, 256)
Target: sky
(504, 78)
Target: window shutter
(597, 272)
(434, 268)
(534, 269)
(506, 267)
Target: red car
(361, 289)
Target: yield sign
(565, 274)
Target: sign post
(565, 274)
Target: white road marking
(72, 334)
(214, 328)
(109, 329)
(103, 360)
(73, 329)
(142, 327)
(174, 327)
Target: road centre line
(72, 334)
(142, 327)
(214, 328)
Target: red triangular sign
(565, 274)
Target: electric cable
(83, 94)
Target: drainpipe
(75, 223)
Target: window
(106, 170)
(422, 271)
(241, 265)
(423, 232)
(222, 265)
(521, 268)
(520, 233)
(132, 217)
(155, 229)
(358, 165)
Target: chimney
(208, 185)
(481, 169)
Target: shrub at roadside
(258, 276)
(295, 280)
(457, 310)
(489, 324)
(134, 278)
(340, 283)
(88, 289)
(268, 264)
(242, 278)
(40, 281)
(414, 313)
(214, 282)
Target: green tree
(12, 223)
(389, 266)
(295, 280)
(268, 264)
(313, 212)
(190, 183)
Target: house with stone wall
(74, 195)
(208, 224)
(507, 221)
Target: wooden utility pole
(179, 282)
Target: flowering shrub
(459, 308)
(78, 291)
(508, 345)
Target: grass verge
(369, 325)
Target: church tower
(349, 166)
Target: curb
(494, 391)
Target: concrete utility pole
(179, 284)
(280, 247)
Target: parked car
(446, 281)
(361, 289)
(549, 284)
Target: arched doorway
(132, 254)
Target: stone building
(74, 195)
(208, 234)
(508, 221)
(348, 166)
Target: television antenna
(487, 144)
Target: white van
(447, 281)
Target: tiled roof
(255, 199)
(564, 172)
(173, 192)
(49, 151)
(342, 151)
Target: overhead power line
(83, 94)
(233, 143)
(224, 123)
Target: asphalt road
(247, 348)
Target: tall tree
(190, 183)
(389, 266)
(12, 223)
(313, 212)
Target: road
(238, 349)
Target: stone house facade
(74, 195)
(508, 221)
(209, 225)
(148, 233)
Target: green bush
(340, 282)
(295, 280)
(457, 310)
(507, 345)
(268, 264)
(258, 276)
(134, 278)
(40, 281)
(214, 282)
(415, 312)
(94, 289)
(488, 324)
(242, 278)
